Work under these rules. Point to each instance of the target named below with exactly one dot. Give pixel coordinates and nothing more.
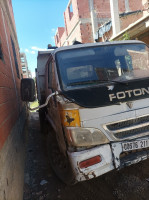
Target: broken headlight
(80, 137)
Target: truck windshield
(90, 66)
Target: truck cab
(99, 119)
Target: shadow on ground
(41, 183)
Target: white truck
(96, 117)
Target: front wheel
(59, 162)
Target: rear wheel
(59, 162)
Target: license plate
(138, 144)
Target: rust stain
(93, 174)
(69, 119)
(86, 176)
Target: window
(15, 58)
(70, 9)
(90, 66)
(1, 52)
(80, 72)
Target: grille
(129, 128)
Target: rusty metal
(69, 119)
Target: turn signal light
(90, 162)
(70, 118)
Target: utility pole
(93, 19)
(115, 16)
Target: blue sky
(36, 24)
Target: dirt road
(41, 183)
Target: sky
(36, 24)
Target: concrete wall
(12, 162)
(12, 110)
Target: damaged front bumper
(111, 158)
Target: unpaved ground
(41, 183)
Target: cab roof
(54, 51)
(97, 44)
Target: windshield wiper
(95, 81)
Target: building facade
(83, 18)
(24, 64)
(12, 110)
(138, 29)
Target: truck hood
(123, 116)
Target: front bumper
(110, 154)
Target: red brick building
(24, 64)
(138, 29)
(84, 17)
(106, 33)
(12, 110)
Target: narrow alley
(131, 183)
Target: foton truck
(94, 107)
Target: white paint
(107, 154)
(117, 150)
(115, 16)
(98, 169)
(147, 24)
(127, 9)
(110, 87)
(129, 93)
(98, 117)
(93, 19)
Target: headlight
(80, 137)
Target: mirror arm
(45, 104)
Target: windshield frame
(86, 46)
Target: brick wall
(135, 5)
(62, 39)
(59, 34)
(125, 21)
(102, 8)
(8, 92)
(81, 11)
(75, 35)
(71, 19)
(86, 33)
(11, 106)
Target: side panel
(93, 171)
(40, 73)
(53, 114)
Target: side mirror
(28, 90)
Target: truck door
(51, 87)
(52, 108)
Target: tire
(59, 162)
